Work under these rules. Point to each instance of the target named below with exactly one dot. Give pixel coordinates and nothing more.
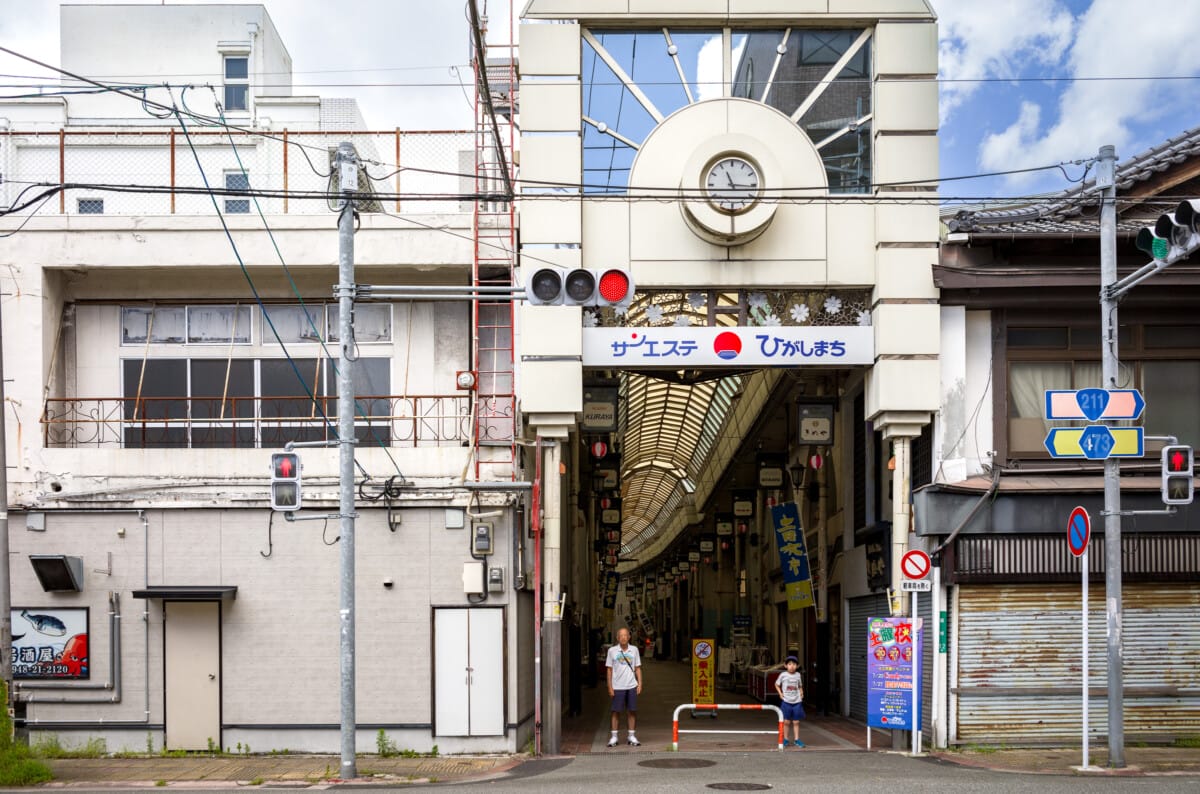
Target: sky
(1024, 83)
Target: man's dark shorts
(624, 700)
(792, 711)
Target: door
(468, 672)
(192, 634)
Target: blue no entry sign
(1079, 531)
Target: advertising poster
(50, 642)
(704, 672)
(793, 556)
(892, 644)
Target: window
(1162, 361)
(237, 180)
(237, 83)
(90, 206)
(300, 324)
(197, 324)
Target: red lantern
(743, 528)
(724, 545)
(599, 449)
(770, 501)
(815, 461)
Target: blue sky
(998, 112)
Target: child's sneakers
(787, 743)
(798, 743)
(633, 741)
(612, 740)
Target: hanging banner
(50, 642)
(704, 687)
(742, 346)
(891, 646)
(793, 556)
(610, 580)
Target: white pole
(916, 677)
(1084, 558)
(935, 714)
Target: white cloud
(1153, 38)
(979, 41)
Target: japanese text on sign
(793, 555)
(892, 644)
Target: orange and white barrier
(675, 731)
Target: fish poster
(50, 642)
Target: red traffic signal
(1177, 483)
(285, 481)
(551, 286)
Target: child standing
(790, 687)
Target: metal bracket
(326, 517)
(1170, 511)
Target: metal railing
(252, 422)
(675, 730)
(421, 166)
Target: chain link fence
(164, 172)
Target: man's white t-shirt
(623, 662)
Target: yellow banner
(799, 595)
(704, 671)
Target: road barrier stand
(675, 731)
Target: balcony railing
(257, 422)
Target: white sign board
(768, 346)
(916, 586)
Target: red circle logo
(727, 345)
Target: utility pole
(346, 162)
(1105, 180)
(5, 572)
(551, 649)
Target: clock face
(732, 184)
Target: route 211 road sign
(1094, 404)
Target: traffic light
(551, 286)
(285, 481)
(1174, 235)
(1177, 475)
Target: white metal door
(193, 674)
(468, 672)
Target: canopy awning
(188, 592)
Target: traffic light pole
(1105, 179)
(347, 163)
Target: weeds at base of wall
(16, 766)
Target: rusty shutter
(1019, 662)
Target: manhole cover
(739, 786)
(677, 763)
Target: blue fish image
(45, 624)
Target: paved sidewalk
(1066, 761)
(297, 770)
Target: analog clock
(732, 184)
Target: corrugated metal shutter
(1020, 662)
(861, 610)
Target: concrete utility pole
(5, 572)
(346, 162)
(1105, 180)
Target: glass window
(1055, 338)
(162, 324)
(237, 180)
(214, 324)
(237, 86)
(222, 400)
(1170, 389)
(294, 323)
(372, 323)
(155, 403)
(1160, 336)
(90, 206)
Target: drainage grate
(739, 786)
(677, 763)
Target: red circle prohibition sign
(915, 564)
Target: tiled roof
(1076, 211)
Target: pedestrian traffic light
(285, 481)
(1175, 235)
(1177, 481)
(550, 286)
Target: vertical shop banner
(612, 580)
(892, 644)
(793, 556)
(50, 642)
(704, 671)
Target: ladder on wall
(494, 415)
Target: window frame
(233, 206)
(91, 201)
(228, 82)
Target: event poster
(50, 642)
(893, 645)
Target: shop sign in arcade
(775, 346)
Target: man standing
(624, 665)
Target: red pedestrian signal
(1177, 482)
(285, 481)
